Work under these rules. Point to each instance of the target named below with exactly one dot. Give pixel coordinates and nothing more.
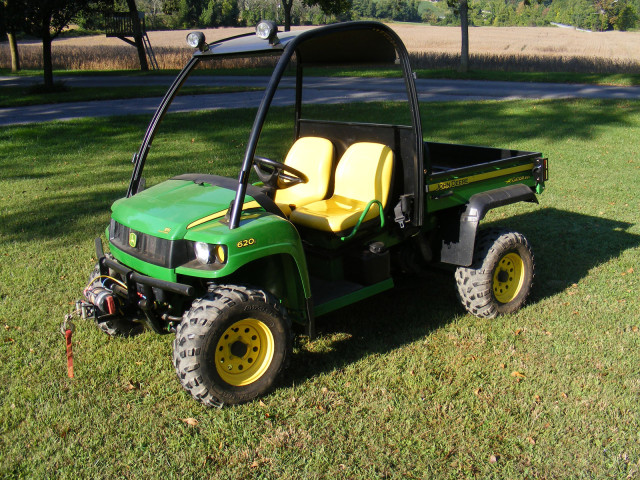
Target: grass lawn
(404, 385)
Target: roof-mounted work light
(197, 40)
(268, 30)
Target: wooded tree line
(46, 19)
(596, 15)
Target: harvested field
(492, 48)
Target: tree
(461, 8)
(10, 17)
(329, 7)
(137, 34)
(46, 19)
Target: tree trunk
(286, 5)
(13, 46)
(464, 26)
(47, 64)
(137, 34)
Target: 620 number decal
(246, 243)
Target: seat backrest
(364, 172)
(313, 156)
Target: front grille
(158, 251)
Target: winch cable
(67, 329)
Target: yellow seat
(363, 174)
(314, 157)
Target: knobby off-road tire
(114, 325)
(232, 345)
(500, 278)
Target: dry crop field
(506, 48)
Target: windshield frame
(289, 44)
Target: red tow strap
(67, 336)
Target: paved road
(317, 90)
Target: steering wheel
(269, 171)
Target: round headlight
(204, 253)
(266, 30)
(196, 40)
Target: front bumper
(132, 277)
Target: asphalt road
(317, 90)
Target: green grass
(404, 385)
(621, 79)
(20, 97)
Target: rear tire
(500, 278)
(231, 345)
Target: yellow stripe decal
(221, 213)
(458, 182)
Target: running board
(354, 295)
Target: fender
(460, 251)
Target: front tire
(500, 278)
(231, 345)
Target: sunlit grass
(404, 385)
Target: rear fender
(458, 243)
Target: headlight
(197, 40)
(267, 30)
(208, 254)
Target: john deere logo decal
(133, 240)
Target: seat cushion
(313, 156)
(363, 174)
(336, 214)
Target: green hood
(167, 209)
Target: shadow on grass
(566, 246)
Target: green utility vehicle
(228, 264)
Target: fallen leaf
(262, 404)
(190, 421)
(132, 386)
(564, 395)
(325, 389)
(494, 458)
(255, 464)
(518, 375)
(537, 398)
(531, 440)
(477, 391)
(518, 331)
(502, 365)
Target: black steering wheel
(269, 171)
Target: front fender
(259, 235)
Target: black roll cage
(319, 46)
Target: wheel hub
(508, 277)
(239, 348)
(244, 352)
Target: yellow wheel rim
(244, 352)
(508, 278)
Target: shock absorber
(103, 298)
